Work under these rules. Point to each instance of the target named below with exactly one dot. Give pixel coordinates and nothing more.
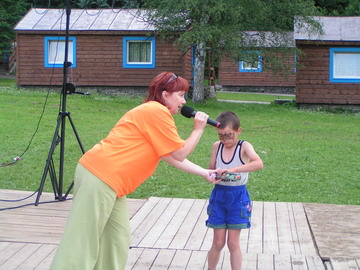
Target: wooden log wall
(313, 84)
(99, 61)
(229, 75)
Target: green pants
(97, 234)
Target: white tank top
(235, 161)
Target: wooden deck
(170, 233)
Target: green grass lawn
(5, 82)
(251, 96)
(309, 156)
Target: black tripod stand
(67, 88)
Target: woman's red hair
(164, 82)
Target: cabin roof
(84, 20)
(334, 29)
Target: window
(54, 48)
(253, 63)
(345, 65)
(139, 52)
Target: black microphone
(189, 112)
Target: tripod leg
(48, 162)
(81, 147)
(76, 134)
(53, 178)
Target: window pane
(346, 65)
(250, 64)
(139, 51)
(57, 52)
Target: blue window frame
(345, 65)
(139, 52)
(54, 52)
(251, 65)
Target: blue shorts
(229, 208)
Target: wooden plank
(294, 233)
(137, 220)
(249, 261)
(33, 221)
(305, 238)
(314, 263)
(19, 257)
(179, 222)
(344, 264)
(225, 260)
(134, 254)
(175, 224)
(134, 205)
(271, 245)
(158, 228)
(197, 238)
(37, 257)
(45, 264)
(357, 260)
(298, 262)
(180, 259)
(146, 259)
(4, 245)
(265, 261)
(256, 232)
(40, 238)
(142, 230)
(185, 230)
(282, 262)
(285, 235)
(197, 260)
(345, 230)
(10, 251)
(244, 239)
(207, 239)
(163, 259)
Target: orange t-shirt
(133, 148)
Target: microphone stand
(67, 88)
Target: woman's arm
(190, 167)
(200, 121)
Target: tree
(353, 9)
(222, 26)
(10, 13)
(339, 7)
(332, 7)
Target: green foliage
(229, 28)
(353, 9)
(309, 156)
(339, 7)
(221, 24)
(10, 13)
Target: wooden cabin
(107, 48)
(257, 75)
(329, 69)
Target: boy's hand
(213, 176)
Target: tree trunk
(199, 69)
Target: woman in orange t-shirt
(97, 235)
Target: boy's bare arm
(255, 162)
(213, 155)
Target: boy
(229, 206)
